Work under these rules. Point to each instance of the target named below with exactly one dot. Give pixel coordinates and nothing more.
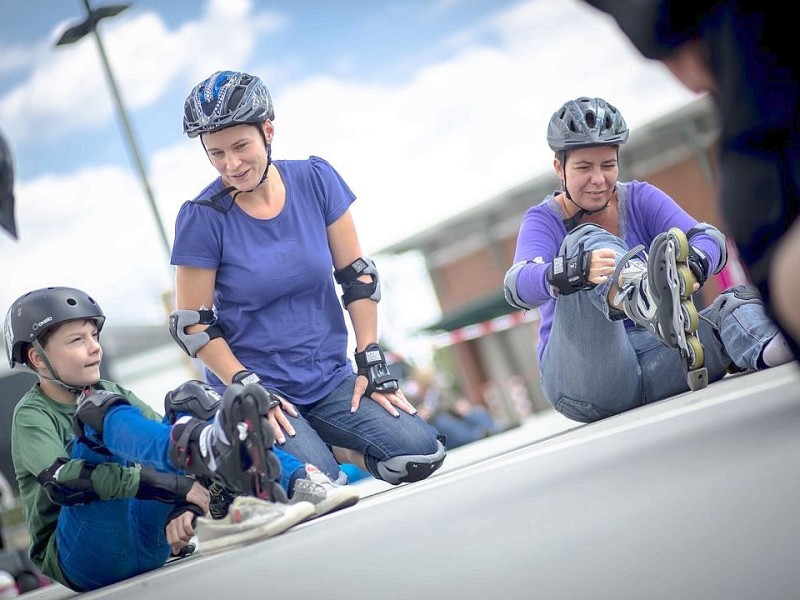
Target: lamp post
(77, 32)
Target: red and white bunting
(471, 332)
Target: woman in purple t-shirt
(618, 327)
(256, 256)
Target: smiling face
(591, 175)
(239, 154)
(74, 351)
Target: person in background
(456, 418)
(257, 254)
(619, 329)
(738, 52)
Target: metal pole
(129, 134)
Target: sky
(426, 108)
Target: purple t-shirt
(274, 295)
(645, 211)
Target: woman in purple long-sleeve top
(618, 327)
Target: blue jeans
(370, 430)
(106, 541)
(594, 366)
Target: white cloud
(452, 135)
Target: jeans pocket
(583, 412)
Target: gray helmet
(225, 99)
(585, 122)
(35, 313)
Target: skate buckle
(241, 430)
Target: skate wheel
(690, 315)
(687, 280)
(681, 244)
(696, 353)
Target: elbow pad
(191, 343)
(510, 286)
(68, 482)
(716, 235)
(355, 289)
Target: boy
(105, 481)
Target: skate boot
(236, 449)
(657, 295)
(325, 495)
(249, 519)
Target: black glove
(163, 487)
(371, 364)
(698, 263)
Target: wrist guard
(371, 364)
(698, 263)
(163, 487)
(571, 274)
(182, 507)
(244, 377)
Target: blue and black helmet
(225, 99)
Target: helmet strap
(573, 221)
(74, 389)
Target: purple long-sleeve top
(645, 211)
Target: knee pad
(732, 298)
(91, 411)
(193, 398)
(410, 468)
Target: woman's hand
(602, 265)
(279, 421)
(390, 401)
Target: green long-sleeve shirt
(42, 432)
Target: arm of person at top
(194, 288)
(345, 248)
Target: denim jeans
(370, 430)
(594, 366)
(107, 541)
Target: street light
(77, 32)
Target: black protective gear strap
(181, 508)
(571, 274)
(355, 289)
(185, 438)
(191, 343)
(168, 488)
(698, 263)
(371, 363)
(244, 377)
(191, 398)
(92, 408)
(67, 491)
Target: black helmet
(33, 314)
(586, 122)
(226, 98)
